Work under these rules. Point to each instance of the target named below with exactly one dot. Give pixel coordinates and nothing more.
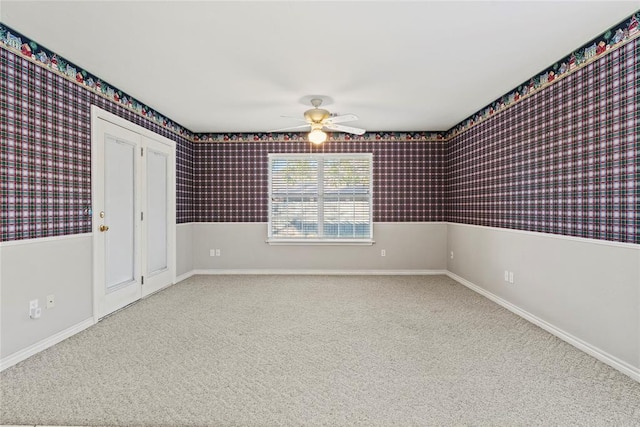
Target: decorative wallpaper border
(617, 36)
(332, 137)
(614, 38)
(17, 43)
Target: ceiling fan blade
(341, 118)
(288, 128)
(347, 129)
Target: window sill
(321, 242)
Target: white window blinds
(320, 197)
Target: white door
(158, 215)
(133, 180)
(116, 213)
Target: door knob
(104, 228)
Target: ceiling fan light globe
(317, 136)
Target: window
(320, 198)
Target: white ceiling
(238, 66)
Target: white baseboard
(21, 355)
(599, 354)
(184, 276)
(321, 272)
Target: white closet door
(159, 213)
(117, 233)
(120, 210)
(134, 212)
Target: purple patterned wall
(564, 161)
(45, 162)
(231, 178)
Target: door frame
(97, 164)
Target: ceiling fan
(320, 120)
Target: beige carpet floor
(316, 350)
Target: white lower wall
(59, 266)
(409, 246)
(588, 289)
(33, 269)
(184, 249)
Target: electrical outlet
(506, 275)
(511, 277)
(451, 254)
(383, 252)
(34, 310)
(212, 252)
(217, 252)
(51, 301)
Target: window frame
(320, 158)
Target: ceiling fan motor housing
(321, 120)
(316, 115)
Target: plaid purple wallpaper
(231, 179)
(564, 161)
(45, 162)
